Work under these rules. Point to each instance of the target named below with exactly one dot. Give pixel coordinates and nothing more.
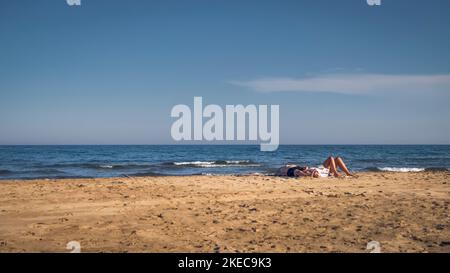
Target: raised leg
(340, 163)
(331, 164)
(326, 163)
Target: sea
(91, 161)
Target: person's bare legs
(331, 164)
(340, 163)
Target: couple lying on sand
(329, 169)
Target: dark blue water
(113, 161)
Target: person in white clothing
(330, 168)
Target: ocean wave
(216, 164)
(5, 172)
(32, 174)
(42, 172)
(142, 174)
(437, 169)
(406, 169)
(402, 170)
(121, 166)
(97, 166)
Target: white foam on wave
(217, 164)
(106, 166)
(194, 163)
(237, 161)
(402, 170)
(212, 165)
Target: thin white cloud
(351, 83)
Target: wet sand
(404, 212)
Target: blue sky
(109, 71)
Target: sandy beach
(404, 212)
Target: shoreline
(405, 212)
(412, 171)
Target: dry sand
(404, 212)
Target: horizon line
(237, 144)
